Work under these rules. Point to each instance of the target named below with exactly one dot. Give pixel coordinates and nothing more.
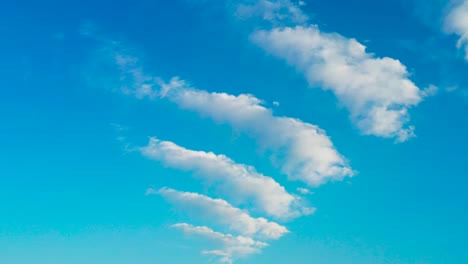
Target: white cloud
(303, 150)
(231, 246)
(304, 191)
(271, 10)
(240, 182)
(223, 213)
(456, 22)
(431, 90)
(133, 79)
(376, 91)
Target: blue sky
(252, 131)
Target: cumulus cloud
(231, 246)
(223, 214)
(303, 150)
(456, 22)
(376, 91)
(240, 182)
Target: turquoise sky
(250, 131)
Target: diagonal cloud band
(237, 181)
(222, 213)
(231, 246)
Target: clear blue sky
(75, 126)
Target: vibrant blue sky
(71, 193)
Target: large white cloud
(456, 22)
(376, 91)
(231, 246)
(239, 182)
(222, 213)
(304, 150)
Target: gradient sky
(282, 91)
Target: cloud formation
(273, 11)
(456, 22)
(303, 150)
(231, 246)
(304, 191)
(239, 182)
(223, 214)
(376, 91)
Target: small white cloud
(133, 79)
(304, 191)
(272, 10)
(456, 22)
(232, 247)
(240, 182)
(376, 91)
(431, 90)
(222, 213)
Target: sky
(249, 131)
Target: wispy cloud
(231, 246)
(223, 214)
(271, 10)
(456, 22)
(304, 191)
(241, 183)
